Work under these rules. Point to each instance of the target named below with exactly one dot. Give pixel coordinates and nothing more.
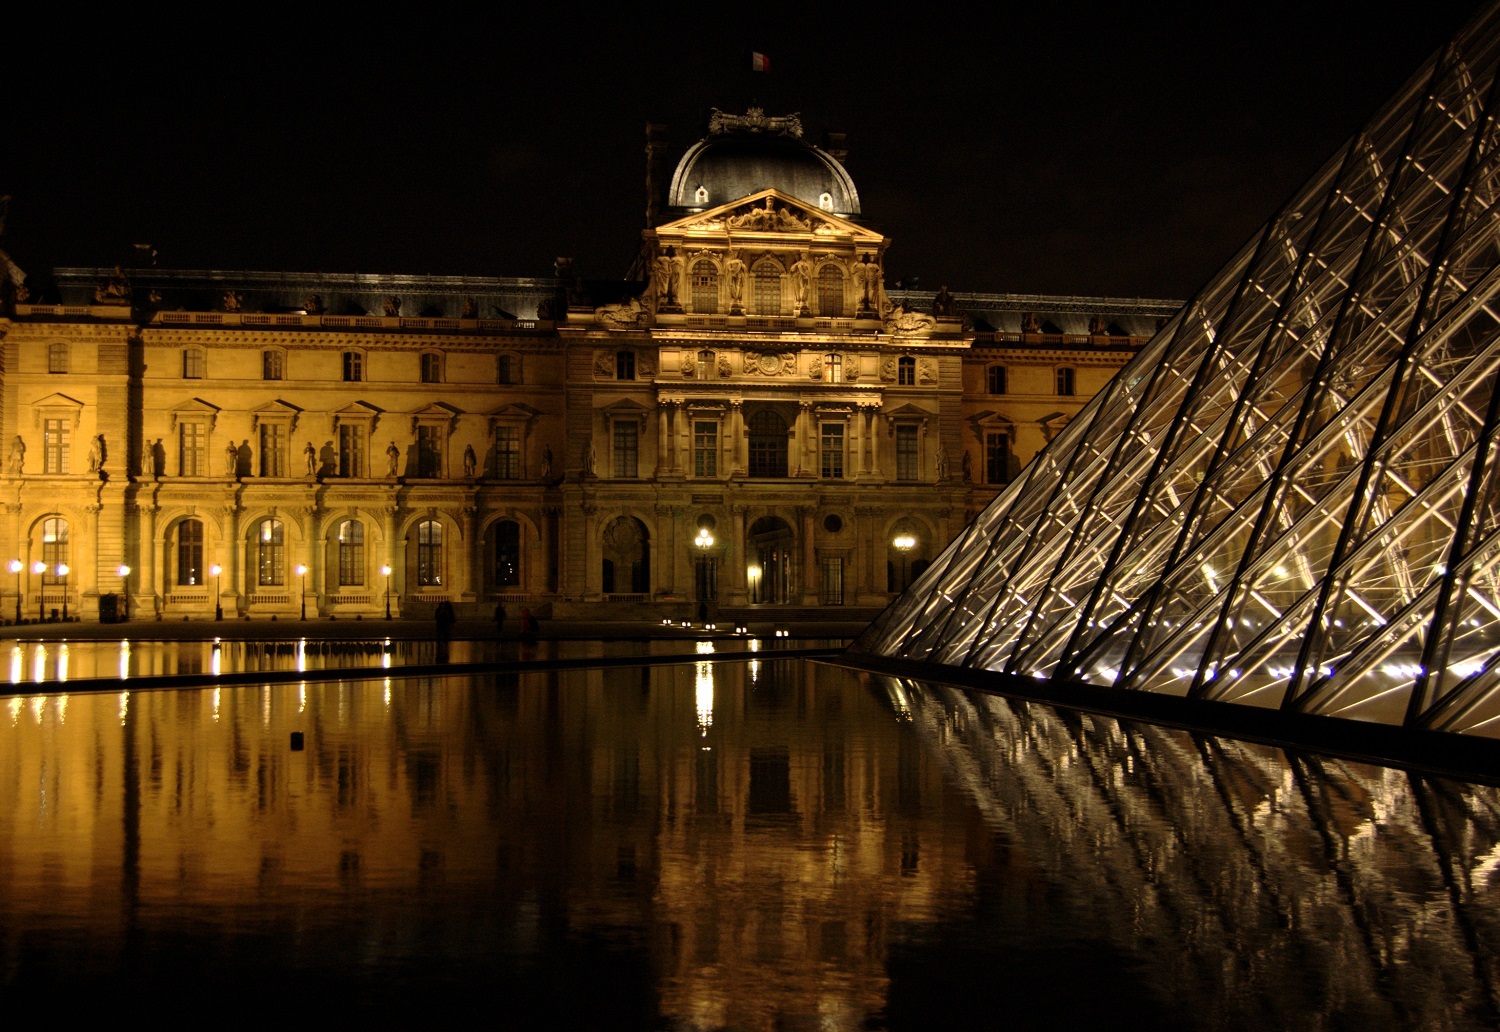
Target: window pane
(507, 572)
(55, 447)
(193, 445)
(354, 366)
(351, 553)
(271, 365)
(705, 448)
(997, 458)
(352, 450)
(273, 450)
(429, 451)
(906, 371)
(996, 380)
(830, 291)
(190, 553)
(429, 554)
(508, 452)
(833, 450)
(625, 365)
(906, 453)
(767, 289)
(705, 286)
(271, 551)
(627, 436)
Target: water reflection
(703, 845)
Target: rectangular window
(995, 379)
(429, 451)
(507, 369)
(1065, 382)
(705, 448)
(57, 358)
(627, 459)
(354, 367)
(833, 450)
(192, 439)
(906, 372)
(997, 458)
(351, 554)
(352, 450)
(55, 446)
(625, 365)
(192, 364)
(907, 466)
(833, 581)
(508, 452)
(273, 449)
(272, 365)
(432, 368)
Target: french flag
(759, 62)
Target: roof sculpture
(1291, 497)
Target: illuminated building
(548, 441)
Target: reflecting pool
(757, 845)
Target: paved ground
(269, 630)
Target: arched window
(705, 287)
(833, 368)
(190, 553)
(767, 277)
(270, 557)
(767, 432)
(351, 553)
(54, 549)
(429, 554)
(830, 291)
(706, 368)
(627, 557)
(906, 371)
(506, 544)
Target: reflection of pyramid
(1291, 498)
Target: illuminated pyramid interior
(1291, 498)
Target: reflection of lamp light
(386, 572)
(16, 566)
(216, 569)
(124, 572)
(62, 571)
(302, 572)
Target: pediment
(57, 401)
(770, 212)
(514, 411)
(358, 410)
(273, 408)
(437, 410)
(625, 407)
(909, 411)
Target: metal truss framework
(1291, 497)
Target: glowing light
(124, 660)
(39, 664)
(704, 691)
(62, 662)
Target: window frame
(351, 553)
(995, 379)
(1067, 382)
(430, 554)
(59, 357)
(832, 448)
(353, 366)
(188, 548)
(194, 363)
(273, 364)
(431, 367)
(270, 553)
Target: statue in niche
(734, 280)
(942, 464)
(392, 306)
(232, 300)
(312, 304)
(158, 459)
(17, 462)
(943, 304)
(1097, 326)
(1030, 323)
(968, 467)
(392, 459)
(870, 279)
(469, 460)
(231, 459)
(801, 273)
(547, 462)
(668, 272)
(97, 454)
(471, 309)
(725, 368)
(591, 460)
(311, 455)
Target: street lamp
(16, 566)
(62, 571)
(903, 543)
(124, 572)
(302, 572)
(386, 572)
(216, 569)
(706, 592)
(40, 568)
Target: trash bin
(109, 608)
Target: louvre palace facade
(752, 418)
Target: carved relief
(604, 365)
(927, 371)
(686, 364)
(851, 367)
(626, 315)
(888, 369)
(768, 363)
(725, 369)
(769, 219)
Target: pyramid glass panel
(1290, 498)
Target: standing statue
(311, 455)
(943, 304)
(942, 464)
(734, 278)
(392, 458)
(392, 306)
(668, 271)
(97, 453)
(547, 462)
(231, 460)
(801, 272)
(868, 275)
(968, 468)
(17, 462)
(591, 459)
(469, 460)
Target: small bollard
(296, 741)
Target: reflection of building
(549, 440)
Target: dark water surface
(759, 845)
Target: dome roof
(744, 154)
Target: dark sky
(1055, 151)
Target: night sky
(1055, 152)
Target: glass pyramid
(1291, 497)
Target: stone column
(469, 585)
(803, 431)
(738, 591)
(593, 568)
(147, 564)
(88, 579)
(393, 558)
(663, 438)
(13, 581)
(739, 445)
(809, 585)
(232, 552)
(312, 522)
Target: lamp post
(124, 572)
(302, 573)
(386, 572)
(706, 592)
(40, 568)
(16, 566)
(216, 569)
(903, 543)
(62, 571)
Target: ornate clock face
(770, 364)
